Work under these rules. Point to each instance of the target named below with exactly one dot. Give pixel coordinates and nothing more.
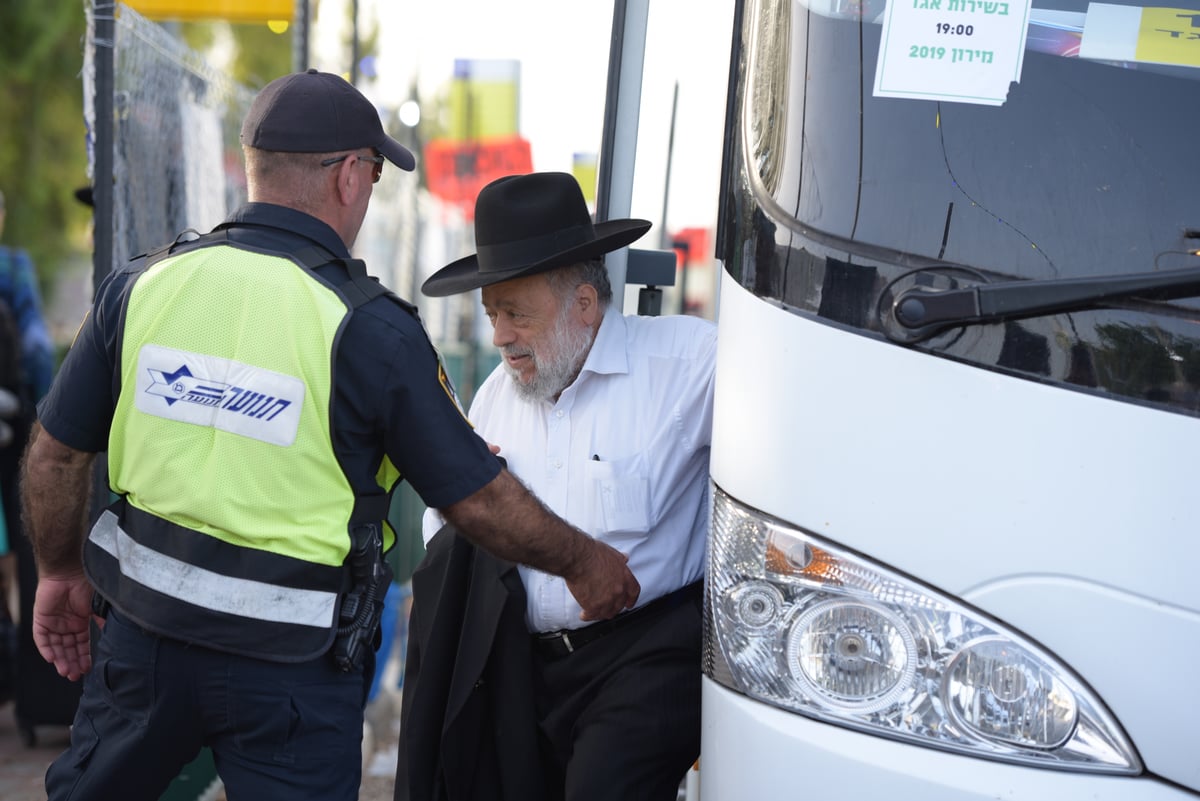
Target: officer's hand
(603, 585)
(62, 609)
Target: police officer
(257, 395)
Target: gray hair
(294, 175)
(565, 280)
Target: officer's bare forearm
(505, 519)
(56, 485)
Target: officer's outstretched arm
(506, 519)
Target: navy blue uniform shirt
(387, 398)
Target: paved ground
(22, 768)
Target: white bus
(955, 548)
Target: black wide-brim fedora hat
(528, 224)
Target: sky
(563, 49)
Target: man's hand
(62, 609)
(603, 584)
(505, 519)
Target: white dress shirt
(622, 454)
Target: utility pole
(354, 42)
(102, 175)
(300, 37)
(663, 234)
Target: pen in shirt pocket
(595, 457)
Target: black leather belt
(557, 644)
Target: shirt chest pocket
(618, 498)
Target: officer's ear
(351, 181)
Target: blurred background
(478, 89)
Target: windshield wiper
(923, 311)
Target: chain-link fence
(176, 159)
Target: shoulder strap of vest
(359, 289)
(185, 237)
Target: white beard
(555, 364)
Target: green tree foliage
(260, 54)
(43, 138)
(43, 150)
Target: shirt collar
(608, 354)
(290, 221)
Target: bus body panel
(1065, 515)
(754, 752)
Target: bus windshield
(1084, 165)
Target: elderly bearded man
(607, 419)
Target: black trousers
(277, 731)
(620, 716)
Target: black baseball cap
(318, 112)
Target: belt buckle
(558, 638)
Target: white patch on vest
(204, 588)
(219, 393)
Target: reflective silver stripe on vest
(204, 588)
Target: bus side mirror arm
(653, 268)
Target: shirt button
(559, 413)
(558, 462)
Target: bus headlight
(998, 691)
(851, 656)
(797, 622)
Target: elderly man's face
(543, 338)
